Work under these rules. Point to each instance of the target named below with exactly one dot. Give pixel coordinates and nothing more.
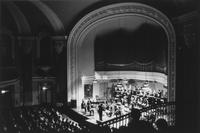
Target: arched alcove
(88, 26)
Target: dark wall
(187, 87)
(127, 50)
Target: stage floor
(93, 118)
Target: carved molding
(59, 38)
(110, 75)
(95, 17)
(27, 43)
(9, 82)
(59, 43)
(34, 79)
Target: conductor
(100, 111)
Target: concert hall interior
(109, 66)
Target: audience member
(162, 126)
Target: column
(59, 43)
(17, 94)
(25, 47)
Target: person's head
(161, 124)
(135, 114)
(152, 118)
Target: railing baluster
(122, 121)
(115, 123)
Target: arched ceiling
(51, 16)
(7, 21)
(128, 23)
(20, 20)
(58, 17)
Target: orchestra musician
(123, 101)
(90, 107)
(83, 105)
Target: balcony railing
(165, 110)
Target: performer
(100, 111)
(83, 105)
(88, 105)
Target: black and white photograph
(99, 66)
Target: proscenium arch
(92, 19)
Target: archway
(110, 12)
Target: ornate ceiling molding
(110, 75)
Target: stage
(94, 119)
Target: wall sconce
(44, 87)
(4, 91)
